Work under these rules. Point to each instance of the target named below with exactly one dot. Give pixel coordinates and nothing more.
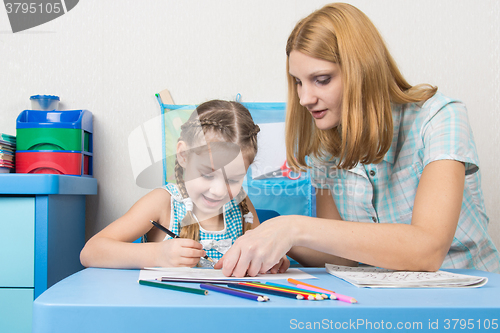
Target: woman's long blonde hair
(229, 122)
(344, 35)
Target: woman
(395, 165)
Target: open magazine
(372, 277)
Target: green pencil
(174, 287)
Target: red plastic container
(64, 163)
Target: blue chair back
(266, 214)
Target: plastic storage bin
(55, 130)
(53, 139)
(55, 142)
(54, 162)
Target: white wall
(111, 57)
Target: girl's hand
(179, 252)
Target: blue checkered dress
(233, 225)
(385, 193)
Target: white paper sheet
(372, 277)
(150, 273)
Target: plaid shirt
(233, 222)
(385, 193)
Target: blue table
(108, 300)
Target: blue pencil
(234, 292)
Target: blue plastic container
(77, 119)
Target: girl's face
(319, 88)
(212, 178)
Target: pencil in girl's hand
(171, 234)
(165, 230)
(234, 292)
(173, 287)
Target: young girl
(207, 208)
(396, 165)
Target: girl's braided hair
(229, 122)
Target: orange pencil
(296, 282)
(308, 296)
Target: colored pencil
(303, 290)
(266, 291)
(296, 282)
(190, 280)
(327, 294)
(173, 287)
(338, 296)
(344, 298)
(165, 230)
(171, 234)
(234, 292)
(306, 295)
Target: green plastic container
(52, 139)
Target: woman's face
(319, 88)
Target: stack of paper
(372, 277)
(7, 151)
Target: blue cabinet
(17, 242)
(42, 231)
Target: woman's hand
(281, 266)
(260, 249)
(179, 252)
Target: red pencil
(338, 296)
(306, 293)
(263, 290)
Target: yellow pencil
(307, 295)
